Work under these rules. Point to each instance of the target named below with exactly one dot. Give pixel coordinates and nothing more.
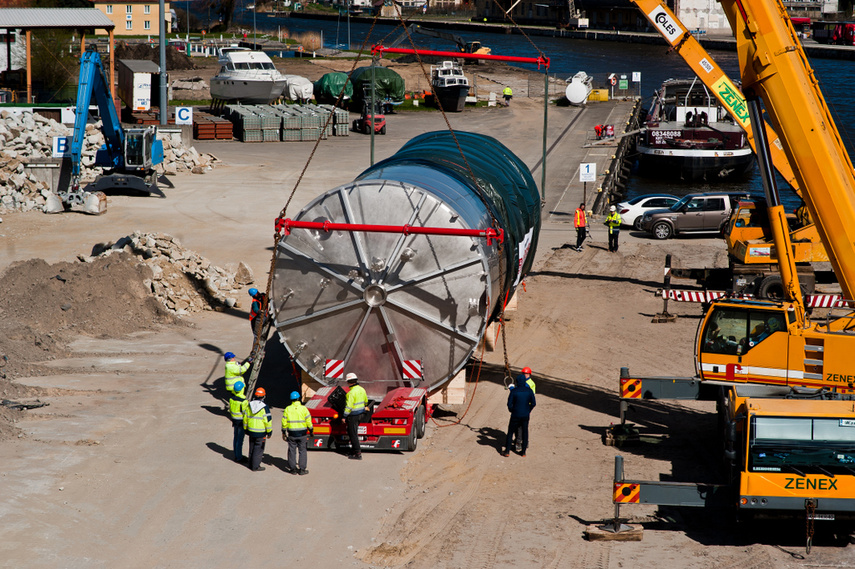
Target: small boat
(688, 135)
(247, 76)
(450, 85)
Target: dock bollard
(665, 316)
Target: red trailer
(395, 423)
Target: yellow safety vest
(295, 417)
(258, 422)
(234, 372)
(356, 400)
(613, 221)
(237, 405)
(530, 383)
(507, 91)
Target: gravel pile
(181, 279)
(28, 136)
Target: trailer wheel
(662, 230)
(412, 440)
(771, 287)
(419, 422)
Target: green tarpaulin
(388, 84)
(328, 87)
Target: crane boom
(773, 64)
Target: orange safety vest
(579, 219)
(261, 299)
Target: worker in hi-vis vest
(296, 429)
(234, 371)
(258, 425)
(613, 223)
(580, 222)
(508, 94)
(356, 402)
(237, 408)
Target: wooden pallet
(210, 127)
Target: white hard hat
(613, 208)
(351, 377)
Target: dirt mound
(174, 58)
(43, 305)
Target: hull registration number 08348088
(823, 517)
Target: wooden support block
(594, 533)
(452, 393)
(664, 317)
(308, 385)
(488, 342)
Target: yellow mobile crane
(785, 385)
(753, 259)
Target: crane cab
(761, 342)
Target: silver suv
(693, 213)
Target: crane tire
(771, 287)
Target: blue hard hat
(228, 356)
(295, 395)
(239, 385)
(253, 291)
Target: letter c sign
(184, 115)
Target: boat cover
(329, 86)
(389, 85)
(298, 88)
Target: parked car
(632, 210)
(693, 213)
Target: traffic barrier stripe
(412, 369)
(334, 369)
(625, 493)
(630, 389)
(813, 300)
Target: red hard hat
(260, 392)
(526, 370)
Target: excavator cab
(139, 143)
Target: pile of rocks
(26, 136)
(181, 279)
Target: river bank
(723, 42)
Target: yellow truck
(785, 383)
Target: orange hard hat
(260, 392)
(526, 370)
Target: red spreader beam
(380, 50)
(286, 225)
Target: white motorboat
(247, 76)
(450, 85)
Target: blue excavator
(129, 156)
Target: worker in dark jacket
(520, 403)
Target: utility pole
(164, 102)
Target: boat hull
(452, 98)
(695, 164)
(246, 91)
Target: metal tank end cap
(374, 295)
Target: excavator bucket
(94, 202)
(53, 204)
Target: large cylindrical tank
(376, 300)
(579, 89)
